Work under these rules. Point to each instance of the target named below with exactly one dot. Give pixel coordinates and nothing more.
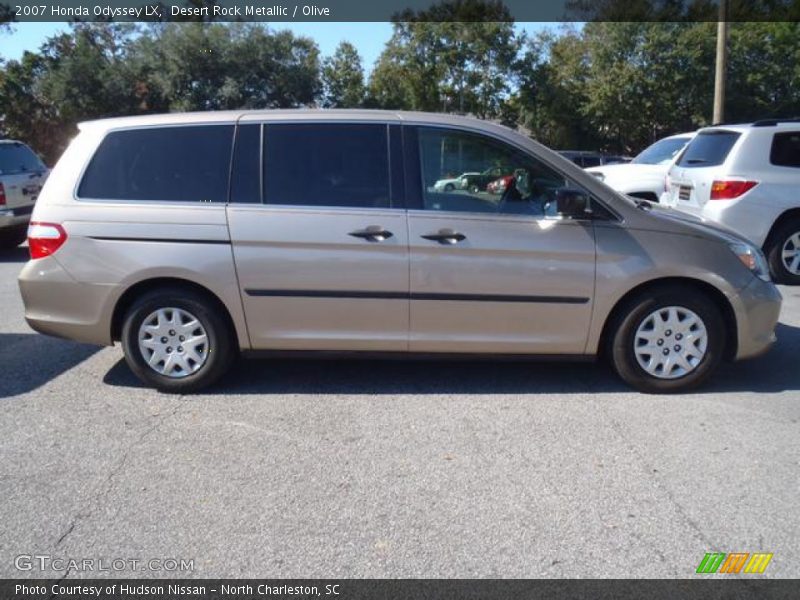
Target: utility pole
(722, 63)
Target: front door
(495, 270)
(323, 261)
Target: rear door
(22, 175)
(319, 236)
(691, 177)
(493, 273)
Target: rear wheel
(11, 238)
(175, 341)
(783, 253)
(668, 340)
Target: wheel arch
(793, 214)
(717, 296)
(136, 290)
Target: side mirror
(573, 204)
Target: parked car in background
(586, 159)
(644, 176)
(500, 185)
(156, 231)
(22, 175)
(450, 184)
(478, 182)
(747, 178)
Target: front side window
(165, 164)
(785, 151)
(465, 172)
(327, 164)
(18, 158)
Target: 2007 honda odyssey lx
(193, 237)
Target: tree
(343, 78)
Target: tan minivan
(193, 237)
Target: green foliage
(343, 78)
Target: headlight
(752, 258)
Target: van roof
(295, 114)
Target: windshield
(662, 152)
(18, 158)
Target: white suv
(643, 177)
(22, 175)
(746, 177)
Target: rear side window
(172, 164)
(785, 151)
(708, 149)
(18, 158)
(327, 164)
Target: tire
(178, 306)
(11, 238)
(631, 330)
(449, 187)
(475, 189)
(785, 238)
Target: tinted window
(164, 163)
(18, 158)
(708, 149)
(662, 152)
(785, 150)
(591, 161)
(471, 173)
(326, 165)
(245, 172)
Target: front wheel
(174, 340)
(783, 253)
(668, 340)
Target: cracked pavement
(370, 469)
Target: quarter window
(326, 164)
(785, 151)
(171, 164)
(464, 172)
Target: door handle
(445, 236)
(373, 233)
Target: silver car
(192, 238)
(22, 175)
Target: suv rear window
(173, 164)
(785, 151)
(18, 158)
(327, 164)
(708, 149)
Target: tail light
(728, 190)
(45, 238)
(2, 195)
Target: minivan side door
(493, 272)
(319, 235)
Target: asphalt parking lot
(371, 469)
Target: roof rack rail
(774, 122)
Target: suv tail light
(728, 190)
(2, 195)
(45, 238)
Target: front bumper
(758, 307)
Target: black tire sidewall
(622, 348)
(774, 252)
(220, 346)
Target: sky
(368, 38)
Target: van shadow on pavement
(776, 371)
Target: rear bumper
(58, 305)
(757, 312)
(11, 218)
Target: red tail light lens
(2, 195)
(45, 238)
(727, 190)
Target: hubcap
(791, 254)
(670, 342)
(173, 342)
